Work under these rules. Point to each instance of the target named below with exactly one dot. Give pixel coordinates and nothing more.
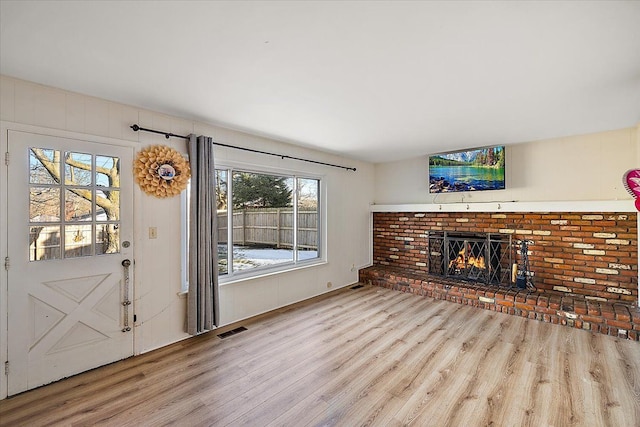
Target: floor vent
(357, 287)
(232, 332)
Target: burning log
(463, 261)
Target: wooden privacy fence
(271, 227)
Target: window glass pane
(77, 169)
(308, 216)
(77, 208)
(44, 204)
(108, 171)
(261, 236)
(107, 205)
(222, 210)
(44, 166)
(44, 243)
(107, 239)
(77, 241)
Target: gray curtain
(202, 299)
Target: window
(274, 221)
(74, 204)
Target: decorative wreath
(161, 171)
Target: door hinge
(6, 367)
(6, 158)
(6, 263)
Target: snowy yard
(245, 257)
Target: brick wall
(593, 254)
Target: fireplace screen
(478, 257)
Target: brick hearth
(585, 265)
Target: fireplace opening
(476, 257)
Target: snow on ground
(250, 257)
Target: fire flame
(464, 261)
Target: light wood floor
(369, 356)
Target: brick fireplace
(579, 262)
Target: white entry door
(69, 232)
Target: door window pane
(44, 204)
(77, 241)
(78, 208)
(108, 205)
(107, 239)
(107, 171)
(77, 169)
(44, 166)
(44, 242)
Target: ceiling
(375, 81)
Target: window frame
(263, 271)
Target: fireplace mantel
(492, 207)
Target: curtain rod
(168, 135)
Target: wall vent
(232, 332)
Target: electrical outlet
(329, 284)
(153, 232)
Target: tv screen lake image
(444, 179)
(473, 170)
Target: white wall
(160, 310)
(575, 168)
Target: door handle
(126, 263)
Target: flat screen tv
(479, 169)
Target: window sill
(270, 272)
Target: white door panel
(69, 213)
